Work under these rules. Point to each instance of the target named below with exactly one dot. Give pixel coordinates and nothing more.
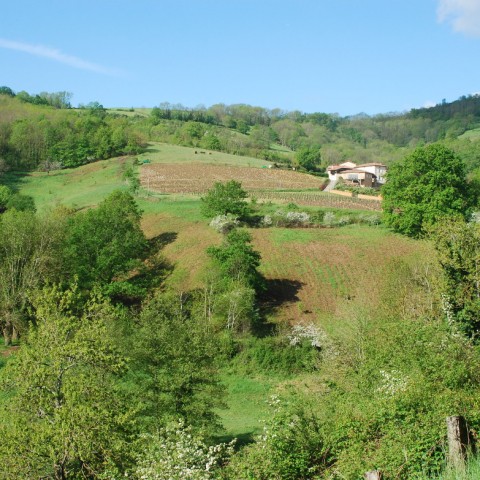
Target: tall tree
(105, 242)
(458, 245)
(174, 365)
(29, 256)
(428, 184)
(63, 416)
(225, 198)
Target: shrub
(224, 223)
(277, 355)
(291, 447)
(329, 219)
(291, 219)
(177, 453)
(370, 219)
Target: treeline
(250, 130)
(39, 128)
(55, 99)
(33, 137)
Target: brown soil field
(313, 275)
(198, 178)
(328, 275)
(265, 184)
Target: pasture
(165, 153)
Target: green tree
(63, 415)
(5, 194)
(458, 246)
(309, 158)
(225, 198)
(174, 365)
(428, 184)
(29, 256)
(237, 260)
(7, 91)
(105, 242)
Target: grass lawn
(247, 405)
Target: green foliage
(291, 447)
(276, 355)
(64, 416)
(105, 242)
(177, 453)
(390, 411)
(237, 260)
(21, 203)
(36, 135)
(131, 178)
(5, 194)
(7, 91)
(428, 185)
(29, 257)
(309, 158)
(458, 247)
(225, 198)
(174, 365)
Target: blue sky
(334, 56)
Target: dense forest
(117, 363)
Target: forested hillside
(43, 131)
(161, 320)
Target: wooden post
(373, 475)
(457, 436)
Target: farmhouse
(365, 175)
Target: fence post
(457, 436)
(373, 475)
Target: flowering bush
(316, 337)
(176, 453)
(329, 219)
(224, 223)
(290, 219)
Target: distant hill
(38, 130)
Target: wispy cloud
(464, 15)
(57, 55)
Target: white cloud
(429, 104)
(56, 55)
(464, 15)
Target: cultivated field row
(320, 199)
(267, 184)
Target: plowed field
(198, 178)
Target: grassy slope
(315, 275)
(166, 153)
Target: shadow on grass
(150, 275)
(278, 292)
(242, 439)
(161, 241)
(14, 180)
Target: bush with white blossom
(176, 453)
(224, 223)
(310, 333)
